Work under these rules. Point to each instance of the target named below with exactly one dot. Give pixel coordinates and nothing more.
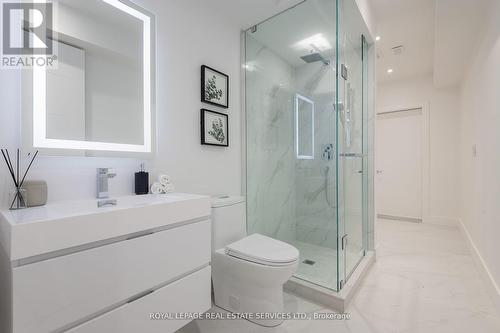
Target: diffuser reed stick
(28, 169)
(9, 166)
(16, 176)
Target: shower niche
(308, 92)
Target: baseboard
(437, 220)
(399, 218)
(492, 285)
(442, 220)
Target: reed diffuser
(18, 196)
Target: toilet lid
(263, 250)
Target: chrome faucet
(103, 176)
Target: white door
(399, 164)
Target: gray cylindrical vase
(36, 192)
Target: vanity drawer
(52, 294)
(188, 295)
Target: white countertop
(38, 230)
(65, 209)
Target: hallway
(424, 280)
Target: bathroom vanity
(73, 267)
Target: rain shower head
(315, 57)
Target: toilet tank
(228, 220)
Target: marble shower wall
(287, 198)
(290, 199)
(270, 154)
(315, 183)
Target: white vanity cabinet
(152, 266)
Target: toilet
(248, 272)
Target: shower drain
(309, 262)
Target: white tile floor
(424, 280)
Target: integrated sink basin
(62, 225)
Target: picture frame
(214, 128)
(214, 87)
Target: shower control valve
(328, 152)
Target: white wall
(443, 137)
(480, 127)
(366, 9)
(10, 82)
(187, 36)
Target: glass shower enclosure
(306, 126)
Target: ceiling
(438, 38)
(409, 23)
(246, 13)
(399, 22)
(305, 29)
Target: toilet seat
(263, 250)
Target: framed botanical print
(214, 87)
(214, 128)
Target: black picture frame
(204, 70)
(212, 141)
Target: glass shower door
(306, 142)
(351, 150)
(291, 167)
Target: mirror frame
(298, 98)
(40, 139)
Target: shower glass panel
(352, 141)
(304, 137)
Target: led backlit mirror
(304, 128)
(100, 94)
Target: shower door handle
(344, 241)
(344, 251)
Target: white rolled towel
(164, 180)
(170, 188)
(156, 188)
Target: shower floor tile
(324, 269)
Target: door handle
(379, 172)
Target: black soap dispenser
(141, 181)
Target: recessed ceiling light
(390, 70)
(377, 38)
